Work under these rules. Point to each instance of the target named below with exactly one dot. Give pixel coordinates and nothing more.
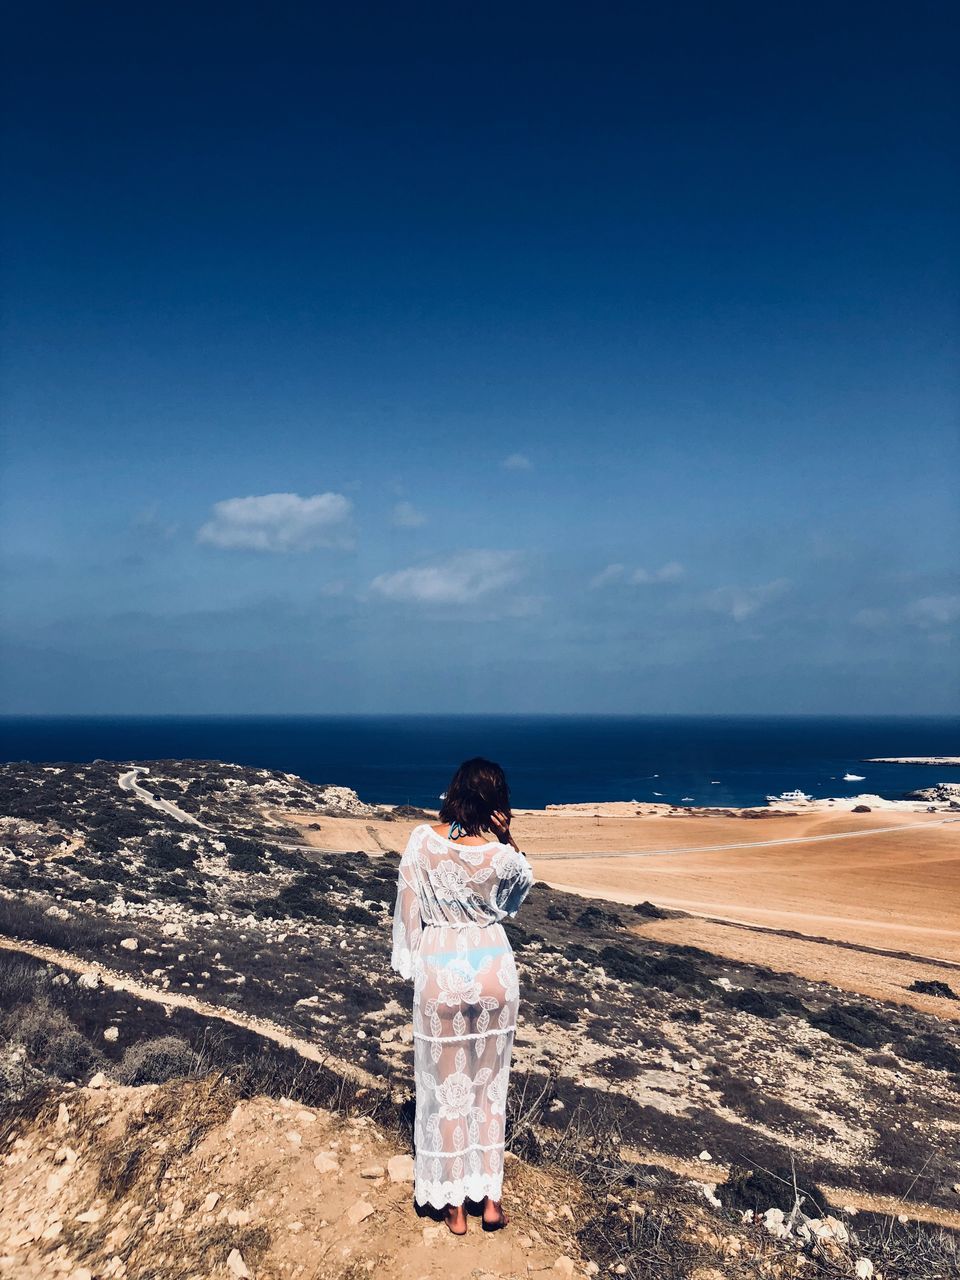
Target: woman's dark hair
(478, 789)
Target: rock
(774, 1223)
(90, 1215)
(236, 1265)
(863, 1269)
(704, 1155)
(373, 1171)
(170, 930)
(943, 792)
(400, 1168)
(828, 1228)
(324, 1162)
(564, 1266)
(238, 1217)
(294, 1138)
(295, 1228)
(709, 1190)
(359, 1211)
(211, 1201)
(939, 989)
(90, 980)
(129, 944)
(111, 1034)
(63, 1118)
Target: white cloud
(670, 572)
(278, 522)
(517, 462)
(934, 611)
(457, 580)
(406, 516)
(740, 603)
(612, 573)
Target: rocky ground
(633, 1053)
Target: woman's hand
(499, 825)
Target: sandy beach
(875, 896)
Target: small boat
(854, 777)
(790, 797)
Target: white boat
(790, 797)
(854, 777)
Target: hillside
(267, 960)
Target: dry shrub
(52, 1042)
(158, 1060)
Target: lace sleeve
(515, 883)
(407, 925)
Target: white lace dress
(448, 937)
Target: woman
(454, 889)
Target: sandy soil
(254, 1189)
(888, 880)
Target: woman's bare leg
(493, 1211)
(456, 1219)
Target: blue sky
(533, 358)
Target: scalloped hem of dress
(439, 1194)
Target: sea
(394, 759)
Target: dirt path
(869, 973)
(176, 1000)
(128, 782)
